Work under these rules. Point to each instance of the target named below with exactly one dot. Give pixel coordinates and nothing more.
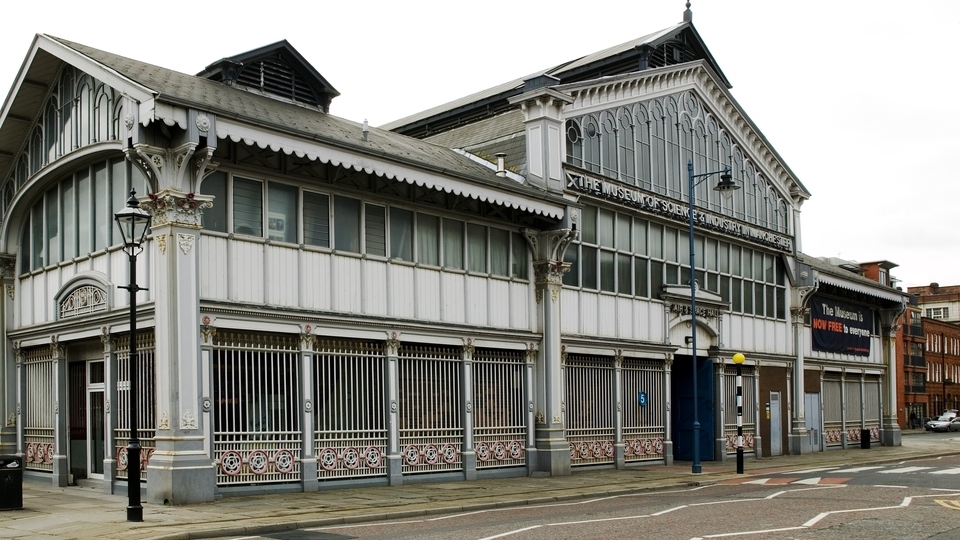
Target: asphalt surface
(73, 512)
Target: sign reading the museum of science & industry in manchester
(840, 327)
(676, 210)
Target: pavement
(80, 513)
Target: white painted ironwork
(833, 412)
(83, 300)
(146, 406)
(589, 398)
(349, 394)
(644, 425)
(256, 408)
(730, 409)
(430, 407)
(38, 410)
(498, 414)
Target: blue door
(682, 407)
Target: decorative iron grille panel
(256, 389)
(83, 300)
(38, 434)
(832, 412)
(146, 402)
(644, 426)
(431, 431)
(589, 409)
(349, 393)
(499, 426)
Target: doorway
(682, 411)
(776, 427)
(87, 419)
(812, 420)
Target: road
(911, 500)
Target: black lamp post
(134, 222)
(738, 360)
(725, 186)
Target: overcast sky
(857, 97)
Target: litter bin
(11, 482)
(865, 439)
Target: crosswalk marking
(904, 470)
(856, 469)
(947, 471)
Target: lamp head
(739, 358)
(133, 222)
(726, 186)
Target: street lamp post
(725, 186)
(738, 360)
(134, 222)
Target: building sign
(675, 210)
(840, 327)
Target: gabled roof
(843, 277)
(257, 118)
(677, 44)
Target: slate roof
(850, 280)
(266, 113)
(582, 68)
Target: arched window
(658, 152)
(608, 145)
(51, 131)
(574, 143)
(626, 143)
(642, 137)
(591, 143)
(675, 165)
(84, 113)
(103, 115)
(36, 151)
(66, 112)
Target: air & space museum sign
(676, 210)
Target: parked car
(954, 424)
(939, 424)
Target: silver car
(940, 424)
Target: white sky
(857, 97)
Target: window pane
(119, 191)
(771, 304)
(624, 274)
(748, 298)
(724, 257)
(282, 220)
(401, 234)
(499, 252)
(102, 212)
(640, 277)
(375, 232)
(607, 271)
(316, 219)
(735, 260)
(428, 239)
(476, 248)
(519, 263)
(52, 222)
(656, 279)
(725, 288)
(623, 232)
(656, 241)
(588, 267)
(588, 222)
(84, 217)
(346, 224)
(215, 218)
(672, 274)
(452, 243)
(670, 245)
(39, 256)
(736, 295)
(605, 227)
(710, 254)
(640, 237)
(25, 259)
(247, 207)
(69, 213)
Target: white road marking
(904, 470)
(808, 471)
(948, 471)
(858, 469)
(808, 481)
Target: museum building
(498, 286)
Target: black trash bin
(865, 439)
(11, 482)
